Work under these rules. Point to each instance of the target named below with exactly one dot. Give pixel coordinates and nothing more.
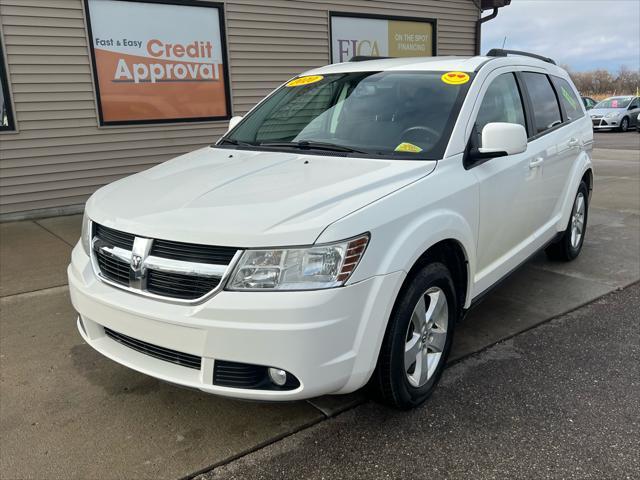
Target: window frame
(220, 6)
(375, 16)
(527, 121)
(533, 135)
(467, 162)
(6, 92)
(446, 137)
(565, 117)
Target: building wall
(60, 155)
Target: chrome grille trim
(185, 268)
(141, 262)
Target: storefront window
(6, 114)
(366, 35)
(158, 62)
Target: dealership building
(94, 90)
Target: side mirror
(233, 122)
(499, 139)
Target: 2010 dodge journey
(333, 236)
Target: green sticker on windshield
(408, 147)
(569, 98)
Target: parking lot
(68, 412)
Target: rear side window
(569, 100)
(546, 111)
(501, 103)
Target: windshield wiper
(232, 141)
(311, 145)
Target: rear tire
(418, 339)
(572, 239)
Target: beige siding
(60, 155)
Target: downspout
(479, 23)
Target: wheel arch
(450, 251)
(582, 170)
(453, 255)
(587, 178)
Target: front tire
(624, 124)
(418, 339)
(572, 239)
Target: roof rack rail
(498, 52)
(364, 58)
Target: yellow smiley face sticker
(455, 78)
(300, 81)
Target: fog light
(277, 376)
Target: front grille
(113, 237)
(190, 252)
(176, 285)
(161, 353)
(171, 271)
(113, 268)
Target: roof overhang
(491, 4)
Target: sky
(583, 34)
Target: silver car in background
(619, 113)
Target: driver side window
(501, 103)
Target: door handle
(574, 142)
(536, 162)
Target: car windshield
(389, 114)
(615, 102)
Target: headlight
(311, 268)
(85, 236)
(612, 115)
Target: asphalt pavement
(618, 140)
(559, 401)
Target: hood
(248, 199)
(605, 111)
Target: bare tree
(601, 83)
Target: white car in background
(333, 237)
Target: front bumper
(604, 124)
(329, 339)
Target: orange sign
(158, 62)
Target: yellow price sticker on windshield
(300, 81)
(408, 147)
(455, 78)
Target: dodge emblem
(136, 260)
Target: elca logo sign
(348, 49)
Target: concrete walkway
(68, 412)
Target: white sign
(379, 37)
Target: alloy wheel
(577, 220)
(426, 336)
(624, 126)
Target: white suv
(334, 236)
